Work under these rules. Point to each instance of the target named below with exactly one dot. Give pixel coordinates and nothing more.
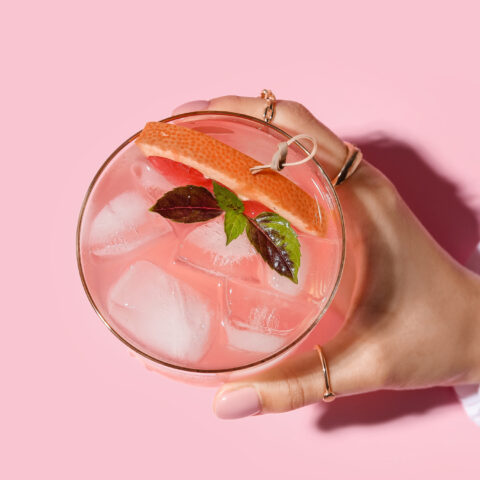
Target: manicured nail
(191, 107)
(238, 403)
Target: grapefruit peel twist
(271, 233)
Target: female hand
(412, 314)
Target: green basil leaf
(235, 224)
(227, 200)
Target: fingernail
(238, 403)
(191, 107)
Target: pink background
(76, 81)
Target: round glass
(252, 317)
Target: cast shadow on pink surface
(436, 202)
(381, 407)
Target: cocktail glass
(190, 306)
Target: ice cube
(243, 338)
(206, 248)
(153, 183)
(261, 321)
(168, 319)
(125, 224)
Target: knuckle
(388, 195)
(295, 108)
(295, 394)
(227, 101)
(382, 190)
(379, 365)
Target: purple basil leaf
(276, 241)
(188, 204)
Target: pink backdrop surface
(403, 81)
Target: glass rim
(240, 368)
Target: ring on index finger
(270, 100)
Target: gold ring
(328, 395)
(270, 98)
(352, 161)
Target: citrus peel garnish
(231, 168)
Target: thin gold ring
(269, 111)
(328, 395)
(352, 161)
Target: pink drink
(176, 292)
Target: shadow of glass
(438, 205)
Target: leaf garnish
(188, 204)
(235, 224)
(227, 200)
(235, 220)
(272, 235)
(277, 243)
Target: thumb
(300, 381)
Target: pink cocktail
(176, 293)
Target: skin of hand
(412, 314)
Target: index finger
(293, 118)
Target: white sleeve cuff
(469, 395)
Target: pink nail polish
(238, 403)
(191, 107)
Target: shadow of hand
(383, 406)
